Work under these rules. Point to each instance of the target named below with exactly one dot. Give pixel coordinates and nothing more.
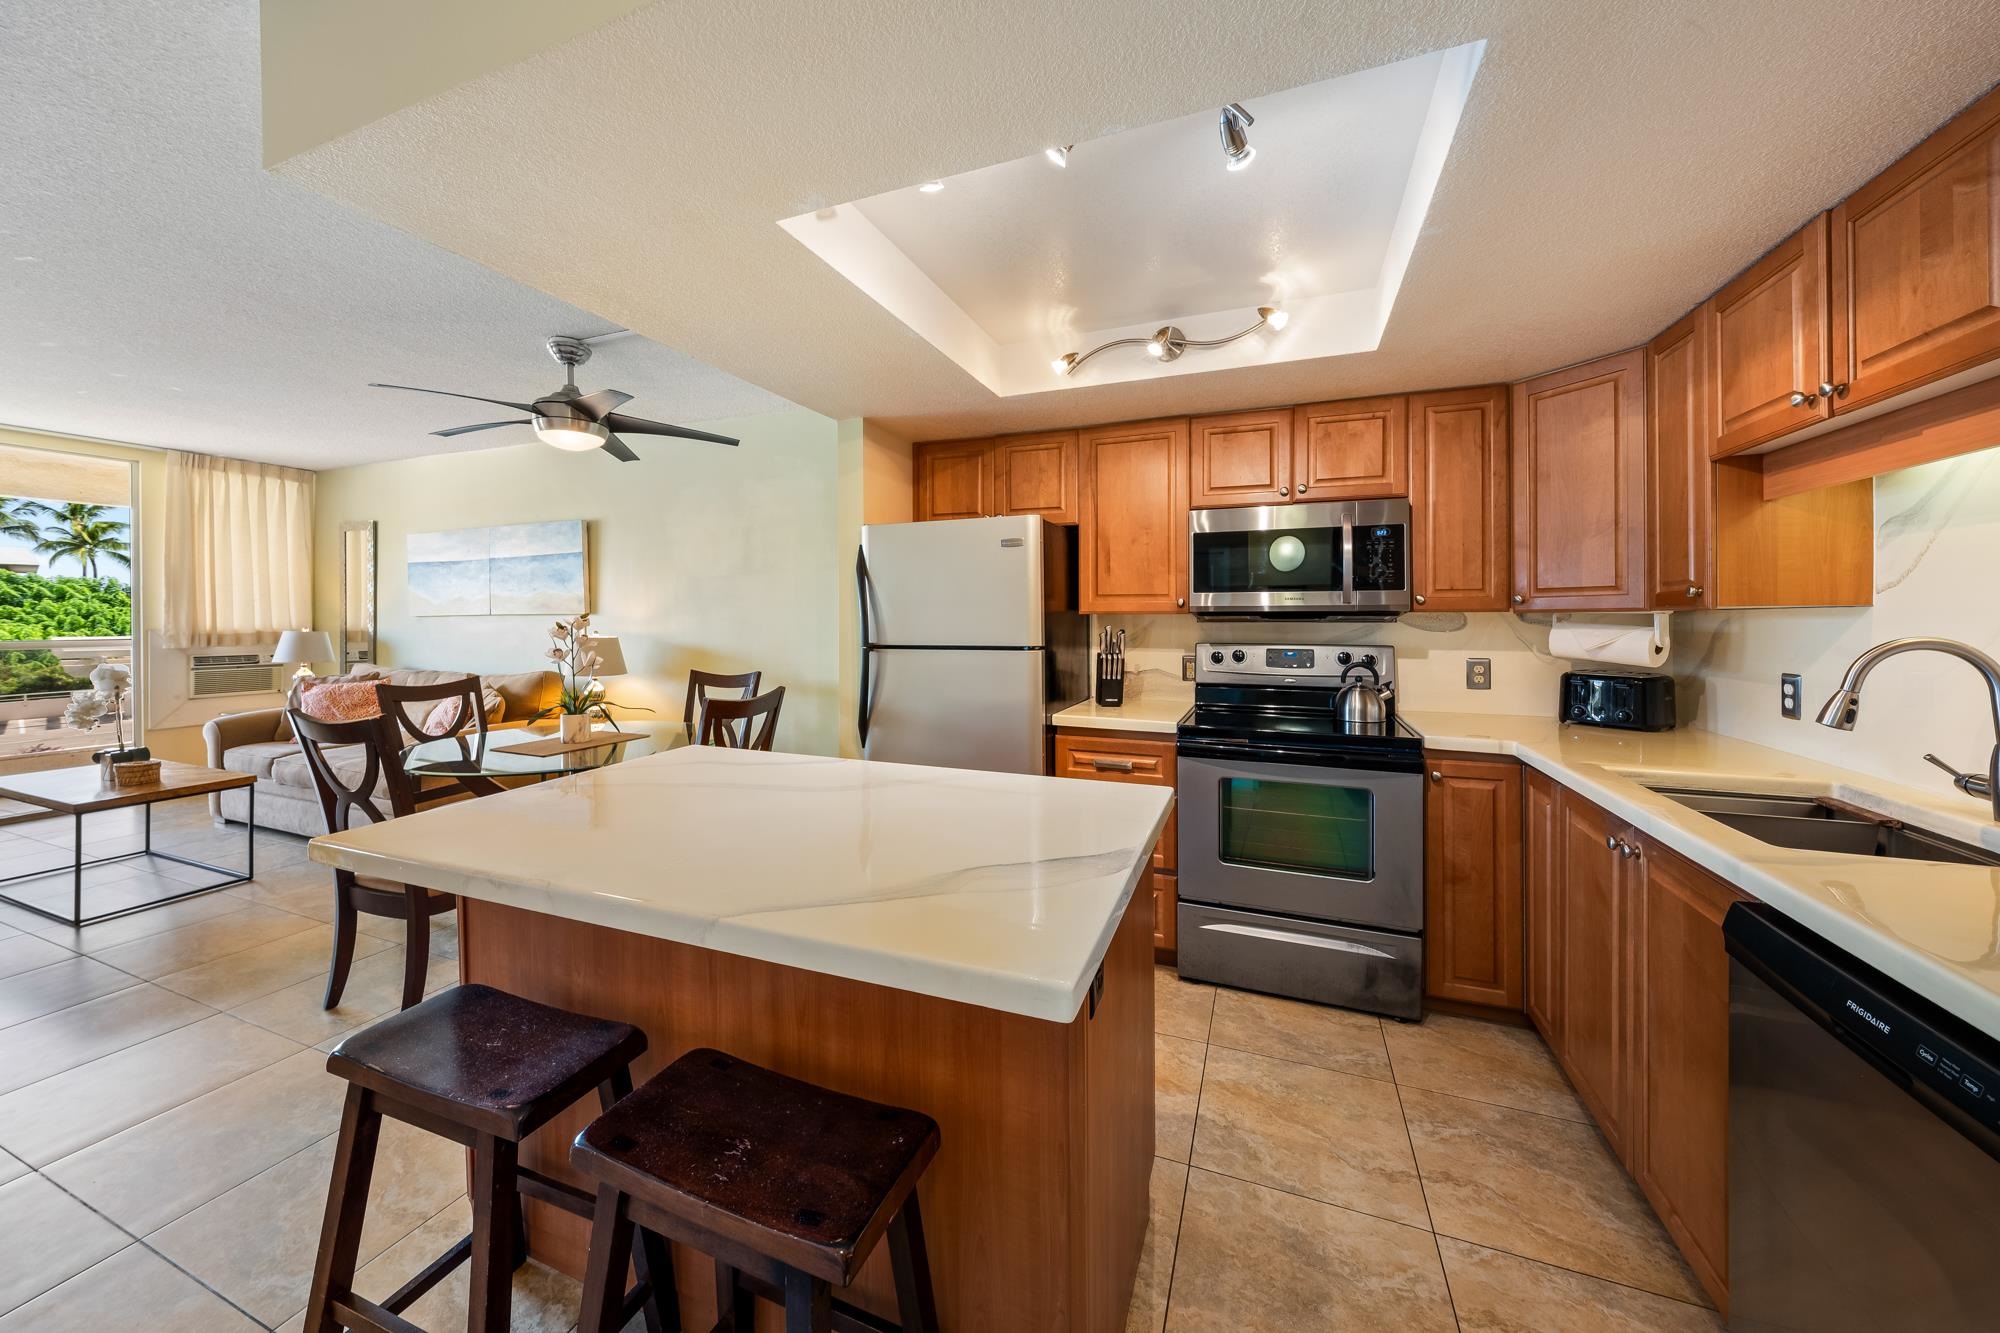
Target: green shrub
(33, 606)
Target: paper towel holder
(1663, 638)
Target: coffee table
(77, 792)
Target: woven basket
(135, 773)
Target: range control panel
(1322, 665)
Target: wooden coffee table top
(80, 791)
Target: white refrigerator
(970, 639)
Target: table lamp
(304, 646)
(610, 658)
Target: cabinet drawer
(1112, 757)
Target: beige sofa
(260, 743)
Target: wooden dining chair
(423, 714)
(702, 683)
(347, 796)
(731, 722)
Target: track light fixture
(1168, 342)
(1059, 156)
(1235, 126)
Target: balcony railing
(35, 693)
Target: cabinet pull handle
(1112, 765)
(1800, 398)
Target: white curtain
(239, 551)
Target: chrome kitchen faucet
(1844, 706)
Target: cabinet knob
(1180, 601)
(1302, 488)
(1832, 390)
(1286, 490)
(1611, 841)
(1800, 398)
(1436, 776)
(1518, 599)
(1629, 851)
(1418, 599)
(1694, 590)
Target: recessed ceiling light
(930, 187)
(27, 259)
(1235, 126)
(1059, 156)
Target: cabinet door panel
(1352, 450)
(1580, 487)
(1244, 458)
(1771, 341)
(1458, 499)
(1916, 264)
(1036, 474)
(1134, 536)
(1544, 906)
(1166, 914)
(1472, 881)
(1593, 1046)
(1680, 501)
(954, 479)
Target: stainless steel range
(1302, 827)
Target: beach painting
(517, 569)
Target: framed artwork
(516, 569)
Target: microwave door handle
(1347, 560)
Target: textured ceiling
(1616, 162)
(157, 286)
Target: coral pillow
(445, 716)
(340, 700)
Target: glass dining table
(480, 764)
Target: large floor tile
(155, 921)
(70, 1111)
(1176, 1094)
(11, 1167)
(1335, 1137)
(256, 1243)
(158, 955)
(1541, 1188)
(133, 1289)
(152, 1173)
(75, 1036)
(1503, 1293)
(374, 987)
(50, 1238)
(23, 953)
(239, 978)
(1181, 1008)
(1488, 1062)
(1313, 1034)
(1255, 1260)
(29, 995)
(1148, 1311)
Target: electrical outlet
(1478, 673)
(1791, 700)
(1187, 666)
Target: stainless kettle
(1363, 702)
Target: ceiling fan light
(570, 433)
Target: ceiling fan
(569, 418)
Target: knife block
(1110, 689)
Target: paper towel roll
(1606, 641)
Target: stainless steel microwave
(1328, 558)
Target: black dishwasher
(1864, 1145)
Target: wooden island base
(1036, 1206)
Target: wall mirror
(357, 594)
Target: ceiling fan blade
(446, 393)
(618, 449)
(596, 405)
(484, 425)
(640, 426)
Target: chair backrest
(351, 800)
(702, 683)
(398, 701)
(731, 722)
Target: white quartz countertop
(1933, 927)
(995, 889)
(1151, 709)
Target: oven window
(1296, 559)
(1305, 826)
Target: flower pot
(573, 726)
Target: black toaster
(1631, 700)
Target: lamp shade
(304, 645)
(610, 657)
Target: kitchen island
(966, 944)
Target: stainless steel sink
(1812, 823)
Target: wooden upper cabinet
(1542, 892)
(1134, 537)
(1244, 458)
(954, 479)
(1915, 264)
(1458, 499)
(1771, 343)
(1036, 474)
(1580, 487)
(1353, 450)
(1472, 881)
(1680, 503)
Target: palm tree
(17, 518)
(82, 533)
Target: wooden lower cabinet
(1166, 912)
(1591, 901)
(1539, 800)
(1117, 756)
(1472, 880)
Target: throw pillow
(443, 717)
(340, 700)
(493, 702)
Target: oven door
(1304, 839)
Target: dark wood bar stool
(485, 1069)
(787, 1186)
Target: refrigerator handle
(862, 709)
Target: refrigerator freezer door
(957, 708)
(969, 582)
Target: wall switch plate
(1187, 666)
(1790, 696)
(1478, 673)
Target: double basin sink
(1818, 824)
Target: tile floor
(166, 1129)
